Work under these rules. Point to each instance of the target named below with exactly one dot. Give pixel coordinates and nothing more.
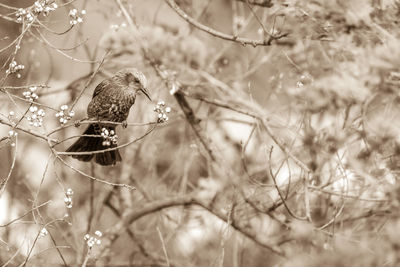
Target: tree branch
(233, 38)
(149, 208)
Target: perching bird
(111, 101)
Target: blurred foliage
(291, 147)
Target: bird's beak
(144, 90)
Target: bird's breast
(113, 106)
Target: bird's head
(135, 79)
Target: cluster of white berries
(68, 198)
(44, 7)
(43, 232)
(12, 135)
(64, 115)
(92, 240)
(299, 84)
(39, 7)
(116, 27)
(14, 67)
(31, 95)
(36, 117)
(162, 111)
(24, 14)
(11, 115)
(75, 17)
(109, 137)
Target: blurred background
(281, 145)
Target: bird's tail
(95, 143)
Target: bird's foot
(77, 123)
(124, 124)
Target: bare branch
(131, 216)
(243, 41)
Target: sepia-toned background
(278, 147)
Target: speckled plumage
(111, 101)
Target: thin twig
(4, 181)
(155, 206)
(89, 81)
(163, 247)
(278, 189)
(108, 149)
(26, 213)
(36, 134)
(87, 257)
(243, 41)
(257, 18)
(89, 176)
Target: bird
(111, 101)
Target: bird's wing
(102, 86)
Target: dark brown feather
(91, 141)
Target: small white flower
(98, 233)
(90, 243)
(43, 232)
(72, 12)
